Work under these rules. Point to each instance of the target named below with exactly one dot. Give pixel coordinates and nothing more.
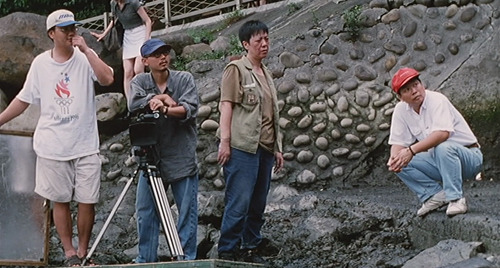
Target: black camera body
(143, 133)
(143, 130)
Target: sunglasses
(68, 29)
(159, 53)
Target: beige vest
(247, 115)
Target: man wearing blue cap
(174, 94)
(66, 141)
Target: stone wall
(334, 90)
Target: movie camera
(143, 132)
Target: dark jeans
(248, 177)
(148, 222)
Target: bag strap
(113, 13)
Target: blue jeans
(148, 223)
(442, 168)
(248, 178)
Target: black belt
(474, 145)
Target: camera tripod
(145, 152)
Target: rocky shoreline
(335, 204)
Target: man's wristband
(411, 151)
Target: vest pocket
(250, 96)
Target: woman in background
(137, 25)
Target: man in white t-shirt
(432, 147)
(66, 141)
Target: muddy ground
(367, 221)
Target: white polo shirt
(436, 114)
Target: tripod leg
(165, 215)
(110, 217)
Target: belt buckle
(474, 145)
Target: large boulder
(25, 123)
(23, 36)
(178, 41)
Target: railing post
(238, 4)
(106, 20)
(168, 16)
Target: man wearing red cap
(432, 147)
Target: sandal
(89, 262)
(72, 261)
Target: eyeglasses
(158, 54)
(68, 29)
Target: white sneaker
(436, 201)
(457, 207)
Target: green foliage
(235, 47)
(293, 7)
(9, 6)
(181, 63)
(315, 19)
(233, 17)
(481, 113)
(352, 20)
(82, 8)
(201, 35)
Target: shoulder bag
(114, 39)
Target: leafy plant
(181, 63)
(201, 35)
(293, 7)
(235, 47)
(81, 8)
(233, 17)
(352, 20)
(315, 19)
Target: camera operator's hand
(166, 99)
(155, 104)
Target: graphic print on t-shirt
(63, 98)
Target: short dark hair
(250, 28)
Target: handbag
(114, 39)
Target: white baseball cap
(61, 18)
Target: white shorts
(132, 42)
(62, 181)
